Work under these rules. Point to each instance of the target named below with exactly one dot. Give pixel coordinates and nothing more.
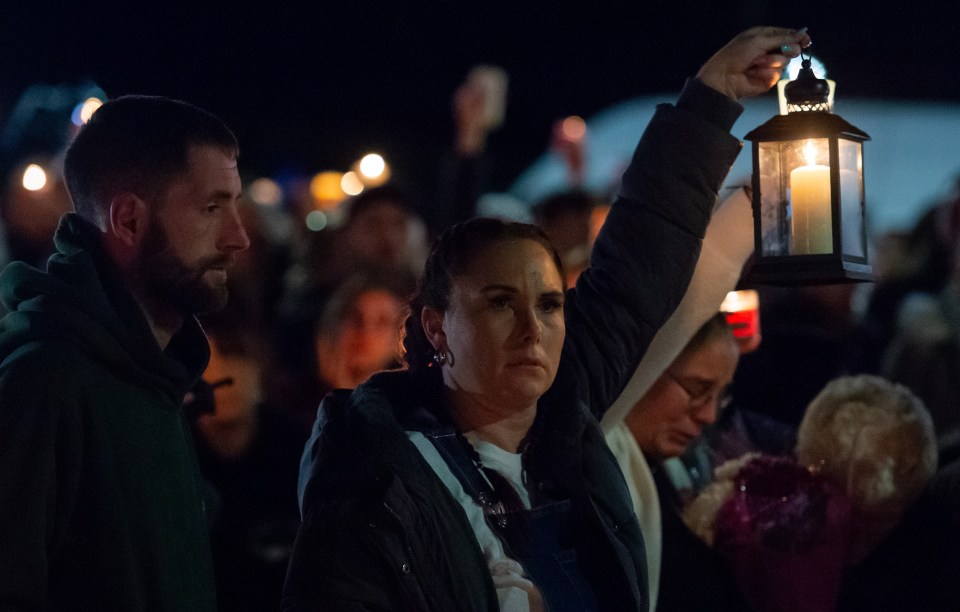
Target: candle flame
(810, 153)
(737, 301)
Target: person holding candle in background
(743, 313)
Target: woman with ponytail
(478, 477)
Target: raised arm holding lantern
(478, 478)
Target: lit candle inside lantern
(811, 226)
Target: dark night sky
(313, 86)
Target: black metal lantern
(808, 198)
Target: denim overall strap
(545, 544)
(474, 483)
(453, 449)
(542, 540)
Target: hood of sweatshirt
(81, 299)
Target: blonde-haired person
(875, 439)
(865, 453)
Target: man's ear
(128, 219)
(432, 321)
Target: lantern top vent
(807, 93)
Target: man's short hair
(137, 144)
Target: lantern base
(797, 271)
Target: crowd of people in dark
(411, 408)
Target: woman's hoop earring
(439, 358)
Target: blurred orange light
(574, 128)
(326, 188)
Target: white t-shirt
(507, 464)
(512, 587)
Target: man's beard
(174, 284)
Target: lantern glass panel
(851, 198)
(774, 223)
(795, 197)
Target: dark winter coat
(381, 531)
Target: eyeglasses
(701, 399)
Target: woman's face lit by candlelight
(685, 398)
(504, 328)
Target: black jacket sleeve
(646, 252)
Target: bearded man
(100, 497)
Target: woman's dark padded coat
(380, 530)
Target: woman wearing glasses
(688, 395)
(684, 573)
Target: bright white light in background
(372, 169)
(316, 220)
(574, 128)
(793, 68)
(83, 111)
(265, 191)
(372, 166)
(34, 178)
(351, 184)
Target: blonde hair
(874, 439)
